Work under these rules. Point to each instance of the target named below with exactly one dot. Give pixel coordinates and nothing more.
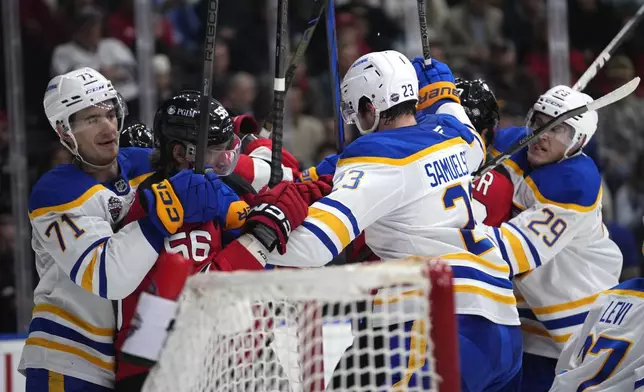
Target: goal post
(341, 328)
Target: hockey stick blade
(606, 54)
(608, 99)
(316, 14)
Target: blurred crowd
(504, 42)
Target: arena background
(520, 47)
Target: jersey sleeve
(84, 246)
(492, 198)
(537, 235)
(639, 380)
(362, 194)
(255, 167)
(453, 117)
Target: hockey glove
(435, 85)
(187, 197)
(245, 124)
(326, 167)
(312, 191)
(275, 213)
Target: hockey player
(606, 353)
(560, 231)
(140, 338)
(407, 185)
(493, 192)
(81, 261)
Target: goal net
(379, 326)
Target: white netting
(287, 330)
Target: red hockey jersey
(494, 192)
(201, 243)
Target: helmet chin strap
(376, 122)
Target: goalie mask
(558, 100)
(480, 105)
(178, 119)
(82, 105)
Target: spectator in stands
(469, 30)
(110, 56)
(629, 199)
(120, 25)
(163, 78)
(304, 133)
(241, 93)
(7, 288)
(584, 18)
(537, 58)
(519, 20)
(5, 174)
(510, 82)
(621, 132)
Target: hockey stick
(606, 54)
(316, 14)
(610, 98)
(279, 93)
(334, 69)
(206, 88)
(422, 18)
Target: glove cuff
(163, 206)
(433, 93)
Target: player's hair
(162, 160)
(394, 112)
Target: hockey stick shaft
(424, 35)
(608, 99)
(279, 93)
(206, 88)
(606, 54)
(316, 14)
(332, 45)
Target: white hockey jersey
(607, 353)
(83, 264)
(409, 190)
(560, 231)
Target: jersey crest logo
(120, 185)
(115, 207)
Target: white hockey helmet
(385, 78)
(562, 98)
(74, 91)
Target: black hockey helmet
(137, 135)
(480, 105)
(178, 119)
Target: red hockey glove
(275, 212)
(313, 191)
(245, 124)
